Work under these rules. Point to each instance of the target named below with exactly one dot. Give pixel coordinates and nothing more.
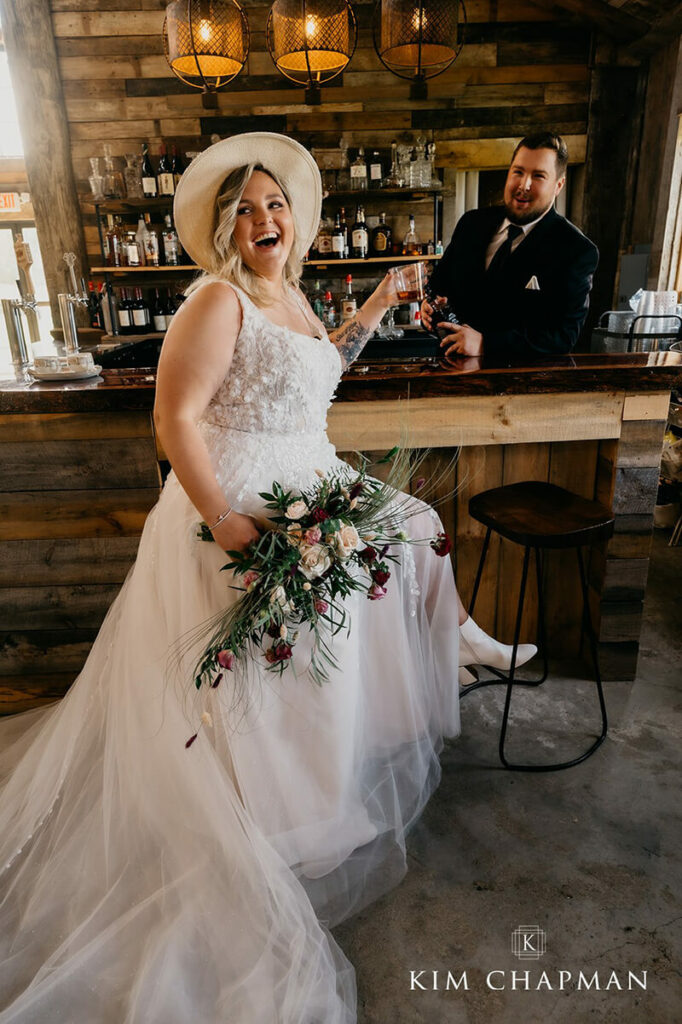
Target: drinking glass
(409, 281)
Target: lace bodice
(267, 421)
(280, 380)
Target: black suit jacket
(517, 322)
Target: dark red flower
(319, 515)
(381, 576)
(368, 554)
(382, 553)
(273, 630)
(442, 545)
(356, 489)
(376, 593)
(278, 653)
(191, 740)
(216, 681)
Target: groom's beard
(524, 216)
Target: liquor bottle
(131, 252)
(165, 184)
(344, 228)
(358, 172)
(318, 301)
(323, 242)
(139, 309)
(158, 312)
(382, 238)
(376, 173)
(148, 176)
(411, 246)
(171, 244)
(114, 243)
(124, 315)
(337, 239)
(349, 306)
(176, 165)
(330, 318)
(151, 243)
(94, 308)
(439, 248)
(141, 239)
(359, 242)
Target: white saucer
(64, 374)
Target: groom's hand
(461, 340)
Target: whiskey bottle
(171, 243)
(151, 243)
(411, 246)
(337, 239)
(349, 306)
(376, 173)
(382, 238)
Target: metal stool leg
(479, 572)
(512, 667)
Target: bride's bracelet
(221, 518)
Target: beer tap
(68, 302)
(26, 304)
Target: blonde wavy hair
(227, 264)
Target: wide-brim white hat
(195, 210)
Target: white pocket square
(533, 284)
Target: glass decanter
(132, 176)
(96, 179)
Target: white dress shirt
(501, 236)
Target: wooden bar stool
(540, 516)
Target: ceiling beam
(661, 33)
(626, 28)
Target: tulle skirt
(143, 883)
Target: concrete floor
(590, 855)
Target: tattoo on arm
(350, 340)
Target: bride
(145, 883)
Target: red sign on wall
(10, 202)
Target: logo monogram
(528, 942)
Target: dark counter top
(124, 389)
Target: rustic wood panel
(45, 652)
(74, 426)
(66, 607)
(641, 444)
(33, 563)
(78, 464)
(32, 515)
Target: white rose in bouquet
(297, 509)
(315, 560)
(346, 541)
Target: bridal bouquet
(337, 537)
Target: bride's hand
(236, 532)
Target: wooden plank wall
(75, 491)
(522, 68)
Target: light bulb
(310, 25)
(419, 19)
(205, 31)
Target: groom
(517, 276)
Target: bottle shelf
(125, 205)
(383, 193)
(145, 270)
(370, 259)
(123, 339)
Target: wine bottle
(344, 228)
(148, 177)
(140, 313)
(123, 309)
(164, 176)
(359, 237)
(158, 312)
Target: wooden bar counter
(79, 471)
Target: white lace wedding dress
(143, 883)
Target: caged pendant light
(311, 41)
(206, 43)
(418, 39)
